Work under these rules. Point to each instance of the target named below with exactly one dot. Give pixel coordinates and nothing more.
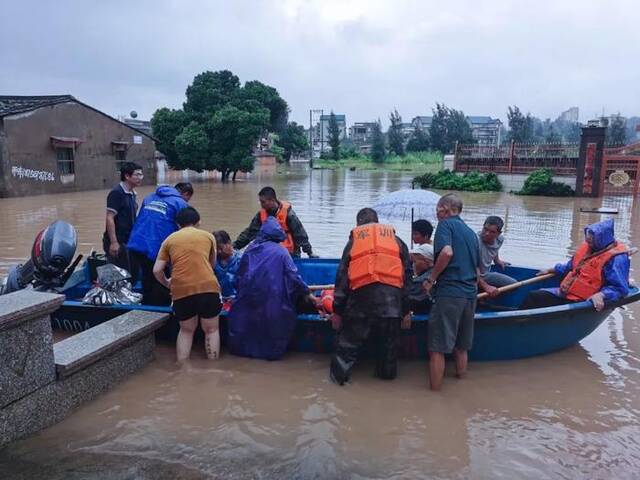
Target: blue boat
(501, 331)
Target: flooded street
(572, 414)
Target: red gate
(621, 170)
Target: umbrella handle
(411, 226)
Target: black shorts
(203, 305)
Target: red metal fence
(560, 158)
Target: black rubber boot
(341, 365)
(386, 351)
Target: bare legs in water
(210, 327)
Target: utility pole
(310, 139)
(314, 115)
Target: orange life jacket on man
(587, 275)
(375, 257)
(281, 217)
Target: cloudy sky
(358, 57)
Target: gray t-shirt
(488, 252)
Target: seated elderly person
(263, 316)
(598, 272)
(422, 261)
(490, 240)
(421, 231)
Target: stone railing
(41, 383)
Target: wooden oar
(514, 286)
(321, 287)
(529, 281)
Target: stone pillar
(26, 343)
(590, 162)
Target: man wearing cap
(422, 260)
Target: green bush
(540, 182)
(278, 152)
(469, 182)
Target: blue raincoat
(616, 270)
(156, 221)
(263, 317)
(226, 274)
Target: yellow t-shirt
(188, 250)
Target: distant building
(407, 130)
(570, 116)
(485, 130)
(422, 122)
(320, 133)
(53, 144)
(361, 135)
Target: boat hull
(501, 335)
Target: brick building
(53, 144)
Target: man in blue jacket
(155, 222)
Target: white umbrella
(408, 204)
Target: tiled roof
(423, 119)
(11, 104)
(479, 119)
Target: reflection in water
(570, 414)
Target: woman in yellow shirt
(195, 290)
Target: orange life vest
(326, 296)
(375, 257)
(587, 275)
(281, 217)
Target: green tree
(233, 133)
(520, 125)
(394, 137)
(378, 151)
(334, 136)
(270, 98)
(616, 131)
(193, 143)
(209, 92)
(458, 129)
(166, 125)
(438, 128)
(551, 135)
(419, 141)
(294, 140)
(220, 123)
(448, 126)
(569, 131)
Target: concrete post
(26, 343)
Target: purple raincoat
(263, 316)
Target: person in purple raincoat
(263, 316)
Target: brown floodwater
(571, 414)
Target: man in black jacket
(297, 238)
(370, 300)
